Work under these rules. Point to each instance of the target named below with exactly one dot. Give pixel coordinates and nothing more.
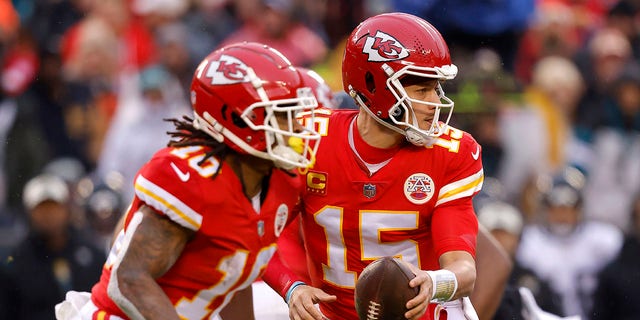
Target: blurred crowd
(549, 88)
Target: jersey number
(232, 267)
(371, 246)
(207, 169)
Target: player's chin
(425, 124)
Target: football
(382, 290)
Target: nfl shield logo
(369, 190)
(261, 228)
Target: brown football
(382, 290)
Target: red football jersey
(417, 205)
(232, 243)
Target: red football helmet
(382, 50)
(320, 88)
(238, 93)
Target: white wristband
(443, 285)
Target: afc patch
(419, 188)
(317, 182)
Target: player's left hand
(303, 300)
(418, 305)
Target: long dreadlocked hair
(186, 135)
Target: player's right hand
(302, 304)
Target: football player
(390, 179)
(208, 208)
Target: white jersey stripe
(168, 204)
(461, 188)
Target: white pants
(460, 309)
(78, 306)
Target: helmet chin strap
(413, 136)
(417, 138)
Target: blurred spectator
(72, 171)
(275, 25)
(505, 222)
(51, 97)
(135, 46)
(618, 292)
(92, 78)
(103, 207)
(481, 93)
(102, 55)
(549, 102)
(624, 15)
(553, 32)
(53, 259)
(602, 60)
(564, 248)
(126, 148)
(22, 155)
(615, 175)
(621, 108)
(23, 150)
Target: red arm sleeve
(455, 228)
(278, 276)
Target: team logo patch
(282, 214)
(419, 188)
(369, 190)
(317, 182)
(383, 47)
(227, 70)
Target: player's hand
(418, 305)
(303, 300)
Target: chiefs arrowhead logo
(227, 70)
(383, 47)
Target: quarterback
(209, 208)
(390, 179)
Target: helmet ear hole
(237, 121)
(370, 83)
(223, 111)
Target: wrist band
(290, 291)
(443, 285)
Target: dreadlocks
(186, 135)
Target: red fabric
(140, 48)
(291, 246)
(278, 276)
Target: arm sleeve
(278, 276)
